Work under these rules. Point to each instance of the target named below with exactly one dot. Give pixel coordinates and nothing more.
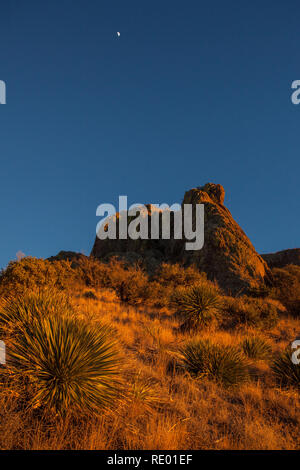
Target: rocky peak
(215, 191)
(227, 256)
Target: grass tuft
(255, 347)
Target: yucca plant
(199, 305)
(224, 364)
(286, 372)
(145, 391)
(18, 312)
(68, 364)
(255, 347)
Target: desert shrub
(224, 364)
(129, 282)
(33, 273)
(287, 288)
(176, 275)
(286, 372)
(82, 271)
(133, 285)
(199, 305)
(92, 272)
(158, 295)
(68, 365)
(255, 347)
(168, 278)
(261, 313)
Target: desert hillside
(110, 355)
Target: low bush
(177, 275)
(260, 313)
(33, 273)
(224, 364)
(130, 283)
(93, 273)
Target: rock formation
(227, 256)
(282, 258)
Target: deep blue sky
(192, 91)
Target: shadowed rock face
(283, 258)
(228, 256)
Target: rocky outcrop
(282, 258)
(227, 256)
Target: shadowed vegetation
(259, 313)
(287, 373)
(255, 347)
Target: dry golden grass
(165, 408)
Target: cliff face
(227, 256)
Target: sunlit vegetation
(199, 305)
(105, 355)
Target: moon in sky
(118, 34)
